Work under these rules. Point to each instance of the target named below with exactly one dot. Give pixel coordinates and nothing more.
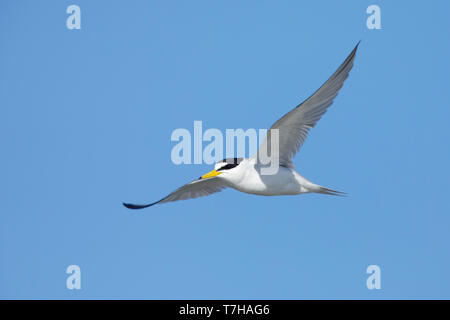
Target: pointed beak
(211, 174)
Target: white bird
(244, 174)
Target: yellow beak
(211, 174)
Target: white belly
(284, 182)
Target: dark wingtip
(356, 47)
(137, 206)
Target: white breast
(247, 178)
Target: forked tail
(330, 191)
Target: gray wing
(295, 125)
(191, 190)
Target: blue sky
(86, 117)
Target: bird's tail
(324, 190)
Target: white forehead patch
(232, 162)
(219, 165)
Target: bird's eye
(228, 166)
(229, 163)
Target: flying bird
(244, 174)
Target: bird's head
(221, 167)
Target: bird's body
(248, 175)
(247, 178)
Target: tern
(244, 174)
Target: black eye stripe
(229, 163)
(228, 166)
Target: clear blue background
(85, 123)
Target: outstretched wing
(295, 125)
(194, 189)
